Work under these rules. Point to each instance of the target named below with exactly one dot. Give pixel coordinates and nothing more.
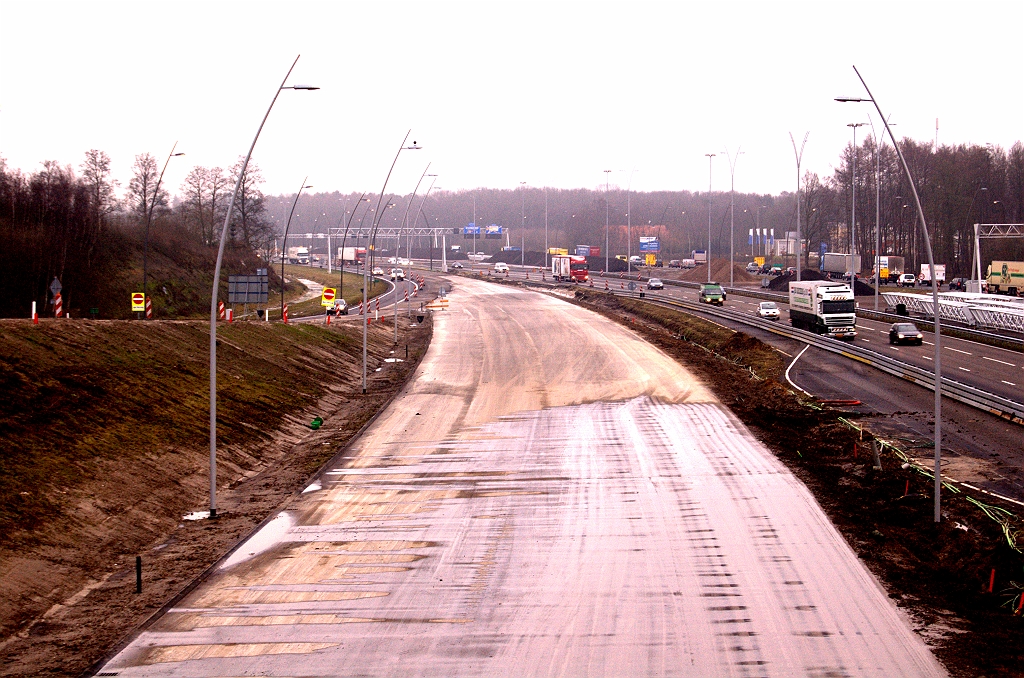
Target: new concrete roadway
(549, 496)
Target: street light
(707, 255)
(522, 230)
(853, 185)
(629, 224)
(284, 243)
(799, 157)
(732, 207)
(398, 247)
(149, 218)
(606, 173)
(216, 286)
(373, 239)
(344, 239)
(935, 298)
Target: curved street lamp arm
(149, 216)
(213, 304)
(376, 212)
(935, 302)
(344, 238)
(284, 242)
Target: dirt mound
(719, 273)
(781, 283)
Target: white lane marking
(791, 367)
(1009, 382)
(929, 343)
(964, 369)
(985, 357)
(926, 357)
(894, 348)
(865, 339)
(958, 350)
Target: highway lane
(549, 496)
(993, 369)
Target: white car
(377, 270)
(768, 309)
(397, 274)
(752, 267)
(655, 284)
(906, 280)
(501, 267)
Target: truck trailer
(833, 262)
(891, 267)
(352, 255)
(823, 307)
(926, 274)
(1006, 277)
(570, 268)
(298, 255)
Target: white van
(501, 267)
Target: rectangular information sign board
(248, 289)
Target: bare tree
(96, 176)
(249, 224)
(142, 188)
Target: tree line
(77, 227)
(959, 186)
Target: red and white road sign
(407, 295)
(220, 310)
(138, 302)
(377, 306)
(149, 308)
(58, 305)
(327, 297)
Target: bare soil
(104, 428)
(939, 573)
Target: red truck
(569, 268)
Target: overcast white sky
(497, 93)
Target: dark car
(457, 265)
(905, 333)
(711, 293)
(958, 285)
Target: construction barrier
(58, 305)
(220, 310)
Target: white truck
(352, 255)
(570, 268)
(298, 255)
(699, 256)
(823, 307)
(833, 262)
(926, 274)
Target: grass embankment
(352, 292)
(940, 573)
(104, 432)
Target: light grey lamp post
(853, 186)
(606, 173)
(799, 156)
(405, 221)
(216, 286)
(149, 219)
(377, 217)
(629, 224)
(284, 244)
(732, 208)
(344, 239)
(707, 255)
(522, 230)
(935, 298)
(545, 227)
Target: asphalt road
(549, 496)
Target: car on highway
(397, 274)
(769, 310)
(655, 284)
(905, 333)
(340, 308)
(906, 280)
(377, 270)
(958, 285)
(458, 264)
(711, 293)
(501, 267)
(752, 267)
(675, 263)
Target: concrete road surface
(550, 496)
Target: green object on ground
(316, 423)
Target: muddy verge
(104, 427)
(940, 574)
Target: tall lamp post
(629, 224)
(935, 297)
(216, 286)
(606, 173)
(149, 219)
(405, 221)
(284, 244)
(522, 230)
(799, 156)
(707, 255)
(732, 208)
(377, 217)
(344, 239)
(545, 227)
(853, 186)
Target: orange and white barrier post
(231, 314)
(58, 305)
(149, 308)
(35, 316)
(220, 310)
(284, 315)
